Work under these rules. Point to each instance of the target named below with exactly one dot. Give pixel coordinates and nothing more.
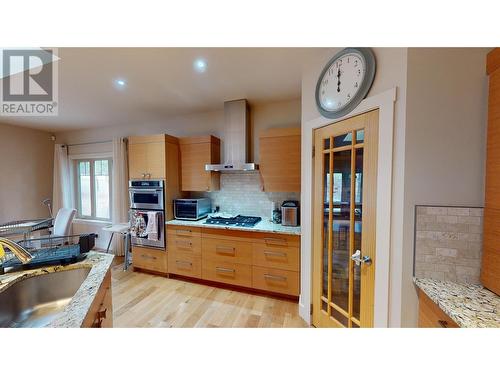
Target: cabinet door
(137, 160)
(155, 155)
(194, 157)
(280, 160)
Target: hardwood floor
(144, 300)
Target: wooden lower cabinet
(430, 315)
(149, 259)
(100, 314)
(227, 272)
(184, 264)
(263, 261)
(275, 280)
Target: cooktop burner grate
(235, 221)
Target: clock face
(345, 81)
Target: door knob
(358, 259)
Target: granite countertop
(265, 225)
(469, 305)
(74, 314)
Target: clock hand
(338, 80)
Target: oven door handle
(145, 190)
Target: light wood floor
(144, 300)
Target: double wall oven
(147, 213)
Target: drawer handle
(443, 323)
(148, 256)
(275, 277)
(275, 253)
(185, 262)
(184, 243)
(224, 270)
(184, 232)
(281, 241)
(225, 249)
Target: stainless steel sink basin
(36, 301)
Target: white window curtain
(61, 196)
(120, 191)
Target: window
(93, 188)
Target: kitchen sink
(36, 301)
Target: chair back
(63, 221)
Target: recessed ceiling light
(200, 65)
(120, 83)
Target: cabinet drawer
(430, 315)
(184, 264)
(281, 257)
(149, 259)
(180, 231)
(274, 280)
(220, 250)
(186, 245)
(273, 240)
(229, 273)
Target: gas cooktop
(235, 221)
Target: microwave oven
(192, 209)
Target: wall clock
(345, 81)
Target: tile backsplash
(241, 193)
(448, 243)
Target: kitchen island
(91, 306)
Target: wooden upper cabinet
(146, 156)
(195, 153)
(280, 159)
(490, 268)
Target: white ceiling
(161, 82)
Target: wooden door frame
(384, 102)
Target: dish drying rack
(61, 249)
(24, 227)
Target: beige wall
(445, 153)
(262, 116)
(26, 164)
(391, 72)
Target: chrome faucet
(20, 252)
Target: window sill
(91, 221)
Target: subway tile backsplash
(448, 243)
(241, 193)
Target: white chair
(63, 221)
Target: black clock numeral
(355, 63)
(348, 96)
(356, 85)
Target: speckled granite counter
(470, 306)
(73, 315)
(265, 225)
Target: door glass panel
(342, 140)
(326, 144)
(354, 325)
(358, 213)
(84, 185)
(324, 306)
(339, 317)
(360, 136)
(326, 210)
(341, 229)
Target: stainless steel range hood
(236, 139)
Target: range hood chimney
(236, 139)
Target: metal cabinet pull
(224, 270)
(275, 277)
(184, 243)
(225, 249)
(275, 253)
(281, 241)
(183, 232)
(185, 262)
(443, 323)
(148, 256)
